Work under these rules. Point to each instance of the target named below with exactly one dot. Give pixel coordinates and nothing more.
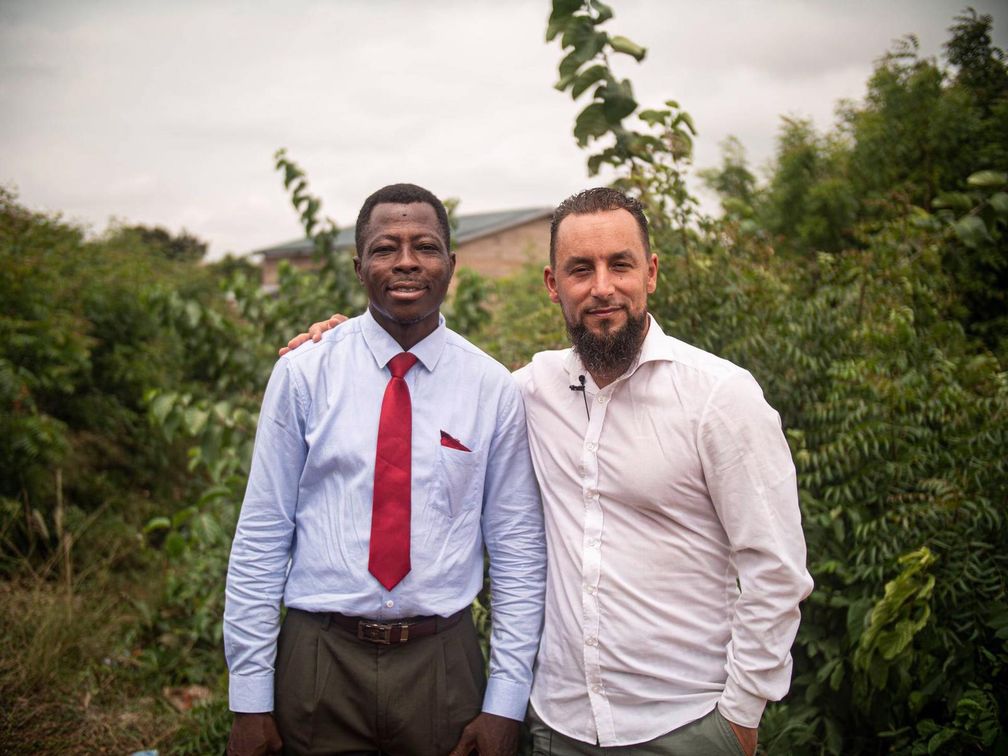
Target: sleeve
(752, 483)
(515, 540)
(260, 552)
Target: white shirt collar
(655, 347)
(383, 347)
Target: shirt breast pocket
(458, 484)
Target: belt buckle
(376, 632)
(381, 632)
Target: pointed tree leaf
(988, 179)
(588, 77)
(971, 231)
(604, 11)
(999, 202)
(627, 47)
(591, 122)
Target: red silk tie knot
(389, 554)
(401, 364)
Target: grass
(75, 679)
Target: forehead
(594, 234)
(413, 219)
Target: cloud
(170, 113)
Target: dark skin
(254, 735)
(404, 265)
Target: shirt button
(390, 603)
(596, 688)
(601, 399)
(593, 542)
(591, 642)
(591, 446)
(589, 589)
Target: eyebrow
(623, 254)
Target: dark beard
(613, 353)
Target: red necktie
(389, 560)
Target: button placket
(591, 564)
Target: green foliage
(863, 286)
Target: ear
(652, 278)
(357, 269)
(551, 285)
(451, 264)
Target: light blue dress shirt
(304, 530)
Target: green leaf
(195, 420)
(953, 201)
(588, 77)
(617, 100)
(971, 231)
(652, 117)
(591, 122)
(161, 406)
(999, 202)
(568, 68)
(627, 47)
(604, 11)
(156, 523)
(988, 179)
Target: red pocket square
(453, 443)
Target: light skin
(405, 266)
(602, 273)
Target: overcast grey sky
(169, 113)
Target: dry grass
(69, 678)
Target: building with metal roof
(492, 244)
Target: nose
(407, 259)
(602, 284)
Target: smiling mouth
(602, 312)
(406, 290)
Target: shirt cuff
(250, 694)
(741, 707)
(506, 698)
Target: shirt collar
(383, 347)
(655, 347)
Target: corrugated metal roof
(471, 226)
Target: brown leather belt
(400, 631)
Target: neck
(407, 335)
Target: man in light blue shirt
(363, 668)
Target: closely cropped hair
(599, 199)
(400, 194)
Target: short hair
(401, 194)
(599, 199)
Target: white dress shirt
(679, 489)
(304, 529)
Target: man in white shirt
(675, 555)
